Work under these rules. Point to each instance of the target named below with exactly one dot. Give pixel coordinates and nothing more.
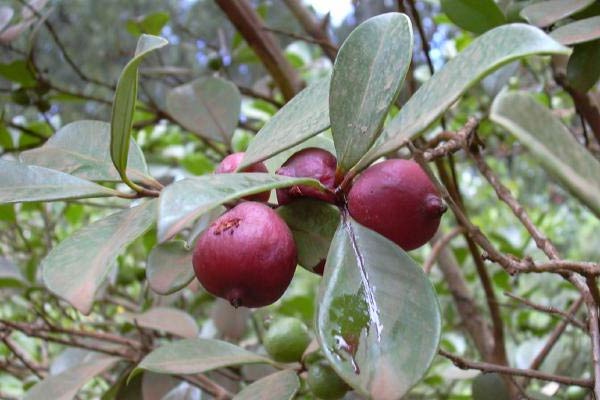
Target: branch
(463, 363)
(313, 28)
(264, 44)
(542, 242)
(470, 315)
(568, 316)
(584, 103)
(63, 50)
(439, 245)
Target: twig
(63, 50)
(311, 26)
(250, 26)
(14, 348)
(246, 91)
(568, 316)
(542, 242)
(439, 246)
(304, 38)
(471, 317)
(463, 363)
(554, 336)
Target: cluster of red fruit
(248, 255)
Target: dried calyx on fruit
(396, 199)
(247, 256)
(230, 164)
(311, 162)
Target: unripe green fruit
(286, 340)
(325, 383)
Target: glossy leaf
(367, 76)
(208, 107)
(194, 356)
(77, 266)
(477, 16)
(304, 116)
(185, 200)
(165, 319)
(313, 224)
(551, 143)
(281, 385)
(545, 13)
(488, 52)
(378, 319)
(81, 149)
(578, 31)
(65, 385)
(583, 68)
(157, 386)
(169, 267)
(21, 183)
(151, 24)
(123, 106)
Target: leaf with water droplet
(378, 320)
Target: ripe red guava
(247, 256)
(229, 165)
(396, 199)
(311, 162)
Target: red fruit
(396, 199)
(311, 162)
(230, 163)
(247, 256)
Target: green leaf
(545, 13)
(578, 31)
(81, 149)
(551, 143)
(124, 103)
(378, 318)
(169, 267)
(21, 182)
(477, 16)
(583, 68)
(304, 116)
(151, 24)
(65, 385)
(208, 107)
(313, 224)
(194, 356)
(6, 14)
(281, 385)
(10, 275)
(7, 213)
(186, 200)
(18, 71)
(488, 52)
(77, 266)
(165, 319)
(197, 164)
(367, 77)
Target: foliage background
(98, 37)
